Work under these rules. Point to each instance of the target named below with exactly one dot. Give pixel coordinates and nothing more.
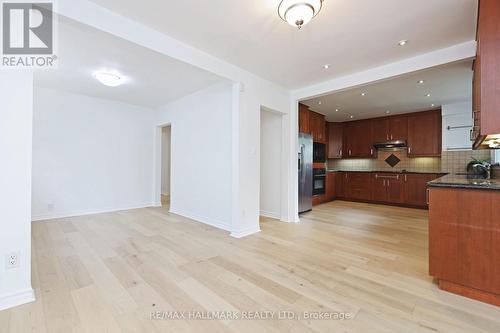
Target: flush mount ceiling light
(421, 82)
(427, 95)
(402, 42)
(363, 94)
(110, 79)
(326, 66)
(299, 12)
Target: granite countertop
(392, 172)
(465, 182)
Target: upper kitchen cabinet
(424, 134)
(304, 119)
(335, 133)
(358, 139)
(390, 129)
(317, 125)
(486, 104)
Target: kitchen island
(464, 236)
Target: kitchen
(427, 141)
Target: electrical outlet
(12, 260)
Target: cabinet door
(398, 128)
(415, 189)
(335, 139)
(380, 130)
(395, 190)
(340, 183)
(424, 134)
(359, 139)
(304, 119)
(318, 127)
(379, 189)
(359, 186)
(330, 186)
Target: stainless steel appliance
(319, 152)
(391, 145)
(305, 172)
(319, 181)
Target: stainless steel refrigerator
(305, 172)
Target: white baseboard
(245, 232)
(198, 218)
(60, 215)
(271, 215)
(12, 300)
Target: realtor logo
(28, 34)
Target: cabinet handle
(349, 152)
(384, 182)
(391, 136)
(409, 150)
(406, 178)
(387, 137)
(340, 152)
(427, 196)
(371, 151)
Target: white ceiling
(351, 35)
(446, 84)
(153, 79)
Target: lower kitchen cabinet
(408, 189)
(330, 186)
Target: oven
(319, 181)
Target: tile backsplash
(450, 162)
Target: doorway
(166, 162)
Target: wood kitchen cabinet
(464, 242)
(486, 99)
(335, 134)
(330, 186)
(358, 186)
(415, 188)
(424, 134)
(388, 188)
(317, 126)
(340, 180)
(390, 129)
(304, 119)
(359, 139)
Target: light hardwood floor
(108, 272)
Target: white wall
(165, 160)
(270, 164)
(16, 114)
(90, 155)
(201, 154)
(457, 114)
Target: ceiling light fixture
(421, 82)
(326, 66)
(352, 117)
(299, 12)
(336, 110)
(428, 95)
(363, 94)
(403, 42)
(110, 79)
(320, 102)
(433, 105)
(387, 111)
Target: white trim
(245, 232)
(201, 219)
(270, 215)
(440, 57)
(60, 215)
(12, 300)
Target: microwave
(319, 153)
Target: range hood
(391, 145)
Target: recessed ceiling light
(363, 94)
(421, 82)
(351, 117)
(403, 42)
(336, 110)
(433, 105)
(387, 111)
(428, 95)
(326, 66)
(110, 79)
(320, 102)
